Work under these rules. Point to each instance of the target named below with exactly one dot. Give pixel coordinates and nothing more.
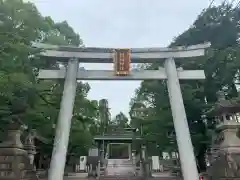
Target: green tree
(104, 115)
(36, 103)
(120, 120)
(218, 25)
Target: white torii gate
(75, 55)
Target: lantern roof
(224, 106)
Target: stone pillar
(98, 169)
(141, 168)
(101, 151)
(30, 147)
(188, 162)
(134, 160)
(144, 152)
(91, 170)
(57, 165)
(108, 150)
(129, 151)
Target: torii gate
(122, 59)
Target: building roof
(119, 134)
(116, 137)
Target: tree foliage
(120, 120)
(104, 116)
(220, 26)
(36, 103)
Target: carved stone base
(225, 166)
(14, 160)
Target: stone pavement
(70, 178)
(154, 178)
(74, 178)
(157, 176)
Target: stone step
(136, 178)
(69, 178)
(164, 178)
(120, 178)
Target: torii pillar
(185, 148)
(58, 160)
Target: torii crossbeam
(75, 55)
(133, 75)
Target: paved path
(74, 178)
(71, 178)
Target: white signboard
(155, 163)
(82, 163)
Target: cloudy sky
(123, 24)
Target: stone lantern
(224, 156)
(12, 153)
(227, 116)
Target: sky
(122, 24)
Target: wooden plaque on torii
(122, 61)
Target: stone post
(141, 168)
(144, 153)
(30, 147)
(91, 170)
(98, 169)
(134, 160)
